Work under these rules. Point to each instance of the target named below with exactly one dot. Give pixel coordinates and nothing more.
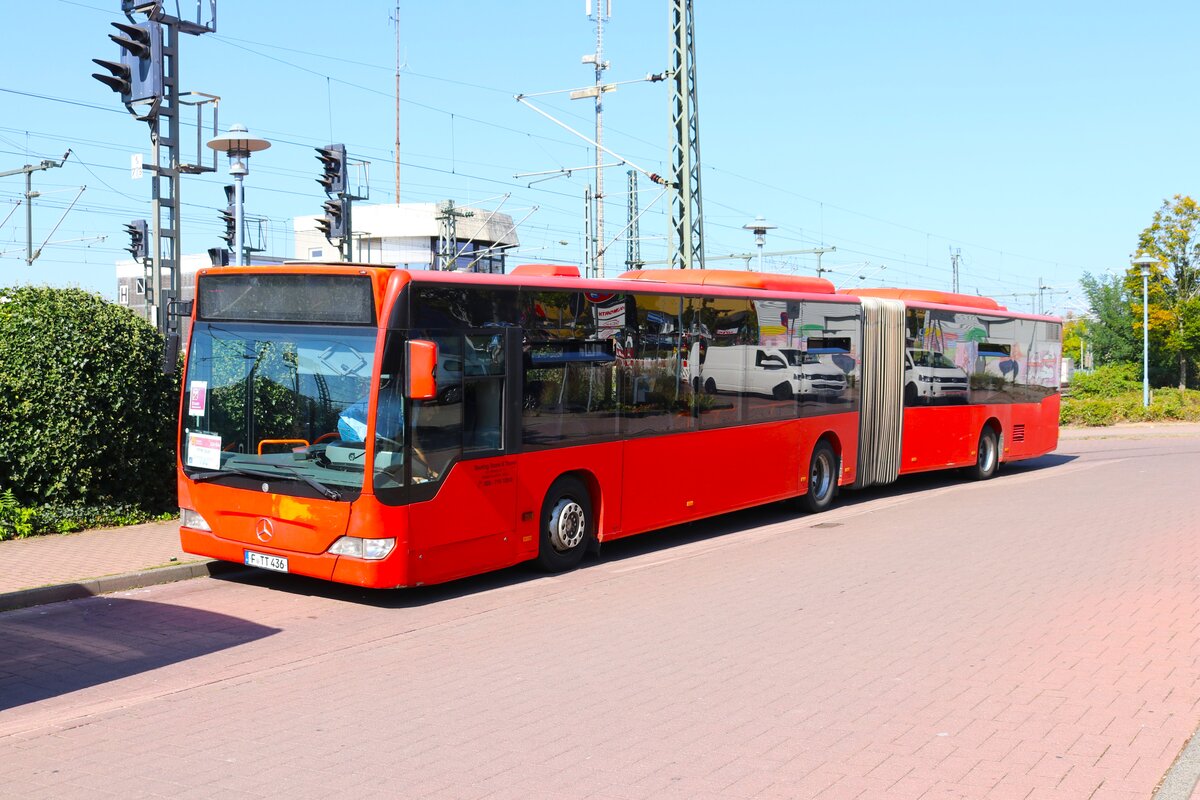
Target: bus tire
(987, 455)
(822, 479)
(567, 526)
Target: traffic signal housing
(138, 76)
(229, 217)
(139, 239)
(333, 164)
(333, 224)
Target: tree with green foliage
(86, 414)
(1112, 335)
(1174, 296)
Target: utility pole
(28, 171)
(447, 250)
(147, 79)
(955, 256)
(589, 237)
(633, 243)
(597, 61)
(397, 102)
(687, 217)
(1043, 290)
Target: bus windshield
(283, 401)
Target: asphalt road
(1034, 636)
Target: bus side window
(483, 392)
(437, 423)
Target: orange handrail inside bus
(280, 441)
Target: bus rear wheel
(822, 479)
(566, 526)
(987, 455)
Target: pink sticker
(197, 398)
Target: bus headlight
(190, 518)
(367, 549)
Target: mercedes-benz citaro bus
(386, 428)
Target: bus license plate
(264, 561)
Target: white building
(407, 235)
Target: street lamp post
(760, 227)
(238, 144)
(1144, 262)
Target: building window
(316, 252)
(123, 294)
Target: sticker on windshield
(204, 451)
(197, 398)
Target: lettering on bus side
(494, 473)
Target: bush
(1165, 405)
(86, 415)
(1107, 381)
(18, 521)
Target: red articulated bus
(388, 428)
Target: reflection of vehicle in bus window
(930, 377)
(782, 373)
(820, 375)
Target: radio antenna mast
(603, 14)
(397, 21)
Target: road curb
(26, 598)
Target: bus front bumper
(385, 573)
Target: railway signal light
(229, 217)
(138, 76)
(138, 239)
(333, 224)
(333, 164)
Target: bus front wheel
(566, 526)
(822, 478)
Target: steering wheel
(326, 437)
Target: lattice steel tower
(687, 218)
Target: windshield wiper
(259, 472)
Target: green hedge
(17, 521)
(1166, 405)
(87, 425)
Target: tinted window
(656, 396)
(346, 299)
(830, 335)
(569, 370)
(436, 306)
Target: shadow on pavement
(623, 549)
(53, 650)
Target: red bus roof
(929, 296)
(722, 283)
(733, 278)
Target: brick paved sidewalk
(50, 568)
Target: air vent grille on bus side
(1018, 433)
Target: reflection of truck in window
(782, 373)
(930, 377)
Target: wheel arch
(998, 429)
(599, 509)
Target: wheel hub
(566, 525)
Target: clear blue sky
(1037, 137)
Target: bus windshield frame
(278, 400)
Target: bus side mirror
(422, 370)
